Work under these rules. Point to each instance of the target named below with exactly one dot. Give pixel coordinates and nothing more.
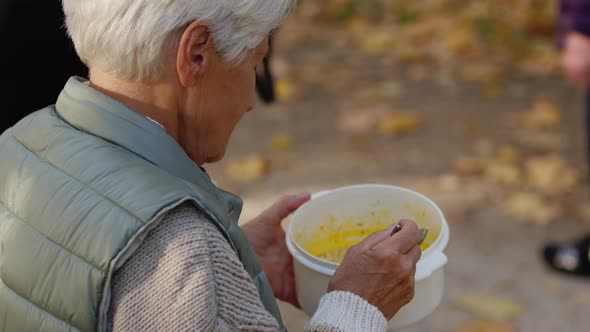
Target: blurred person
(574, 31)
(108, 222)
(25, 33)
(37, 55)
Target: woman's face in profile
(225, 92)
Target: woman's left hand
(267, 237)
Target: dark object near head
(264, 79)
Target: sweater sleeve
(346, 312)
(186, 277)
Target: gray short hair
(129, 38)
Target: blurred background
(461, 100)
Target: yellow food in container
(332, 239)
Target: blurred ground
(501, 150)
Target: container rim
(441, 241)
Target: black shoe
(573, 259)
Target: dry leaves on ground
(480, 40)
(286, 90)
(551, 174)
(490, 307)
(469, 166)
(481, 72)
(485, 326)
(458, 197)
(399, 124)
(508, 154)
(541, 141)
(500, 166)
(378, 42)
(248, 169)
(360, 121)
(376, 92)
(378, 119)
(282, 142)
(531, 208)
(544, 115)
(503, 173)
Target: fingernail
(298, 199)
(302, 196)
(396, 229)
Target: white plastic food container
(312, 274)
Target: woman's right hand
(381, 269)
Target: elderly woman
(109, 223)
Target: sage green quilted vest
(81, 185)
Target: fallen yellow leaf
(461, 41)
(551, 174)
(360, 121)
(508, 154)
(485, 326)
(388, 89)
(285, 89)
(409, 53)
(543, 61)
(544, 115)
(449, 183)
(503, 173)
(377, 42)
(248, 169)
(490, 307)
(282, 142)
(401, 123)
(481, 72)
(469, 166)
(532, 208)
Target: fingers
(414, 254)
(285, 206)
(403, 241)
(295, 201)
(376, 238)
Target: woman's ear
(193, 53)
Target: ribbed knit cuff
(344, 311)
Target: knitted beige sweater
(186, 277)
